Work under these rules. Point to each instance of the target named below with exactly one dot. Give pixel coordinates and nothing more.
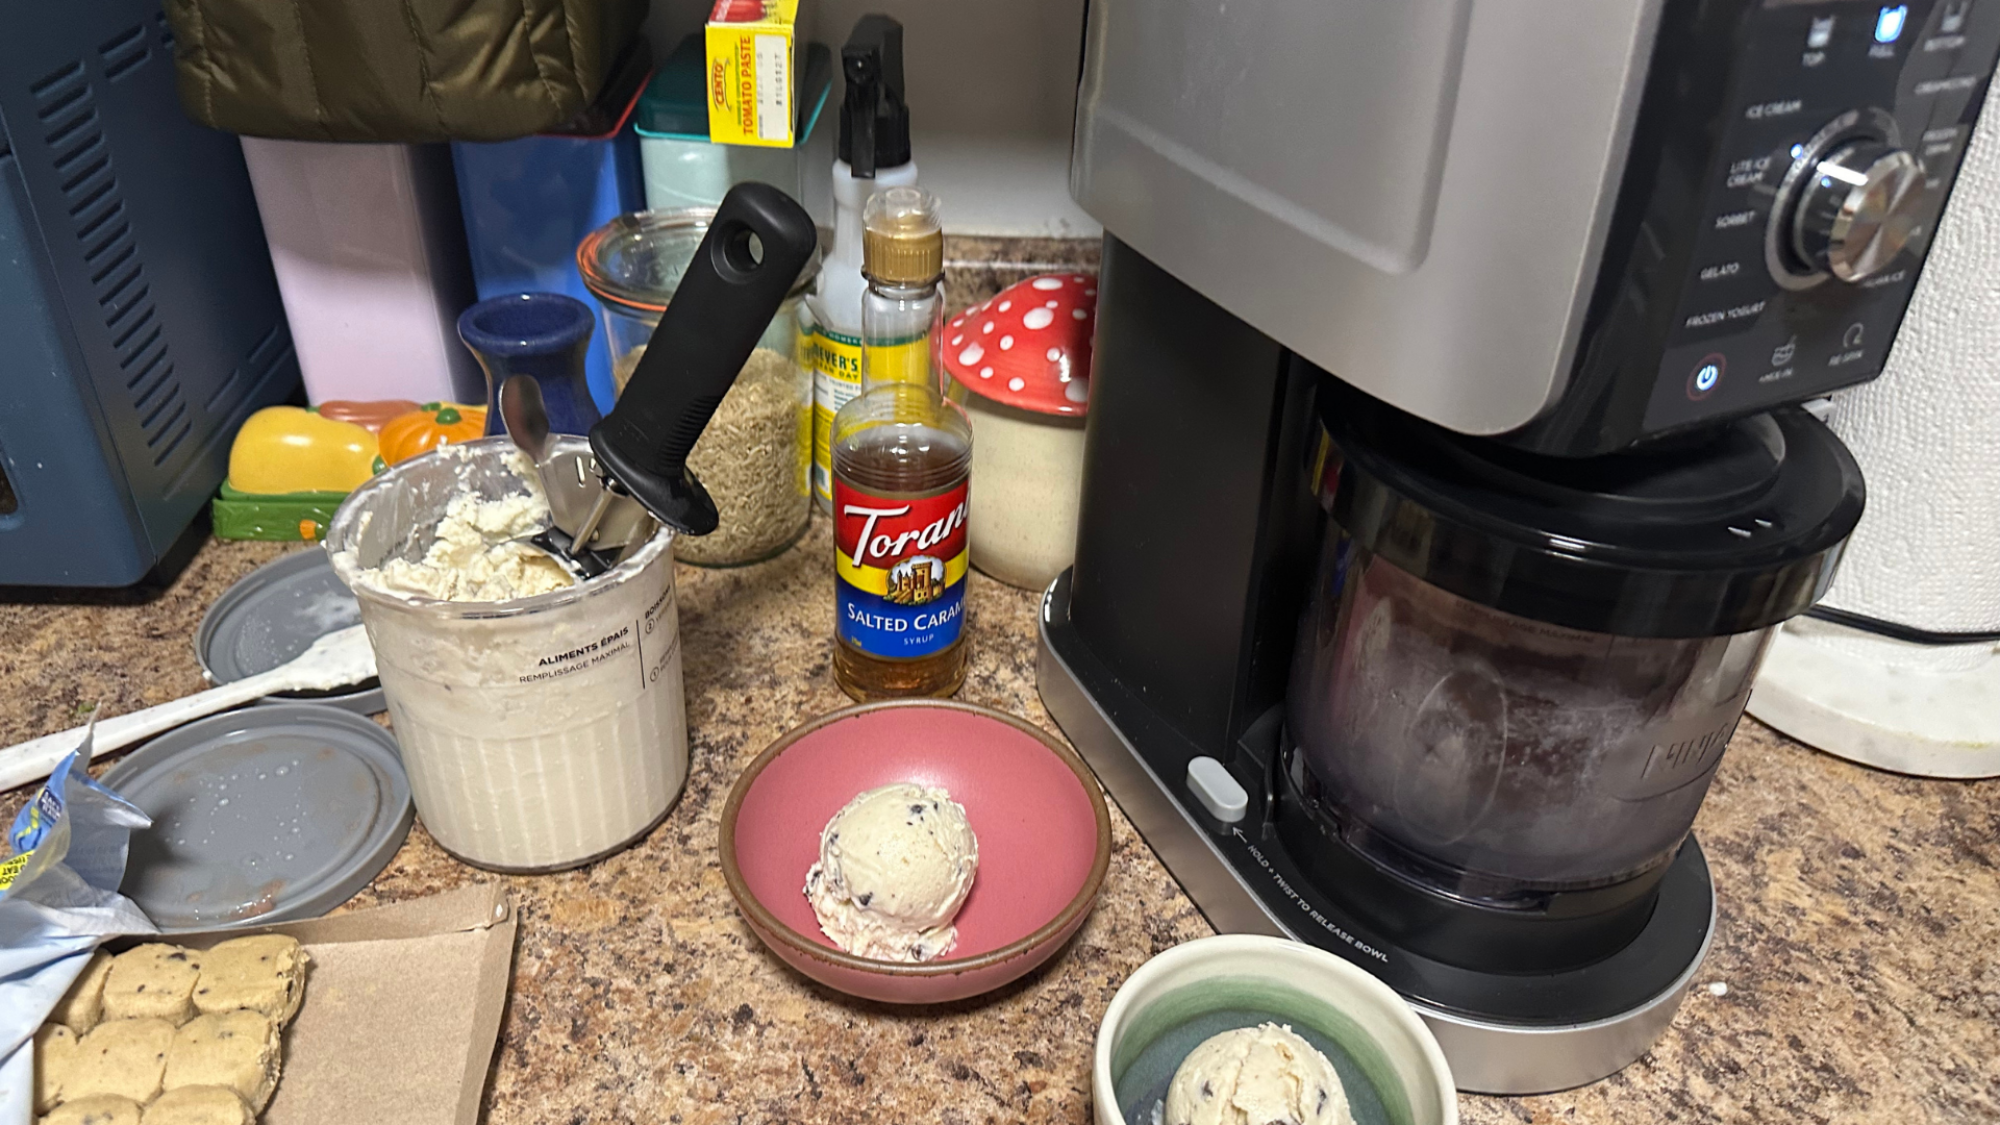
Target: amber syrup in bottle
(901, 459)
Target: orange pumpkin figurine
(431, 425)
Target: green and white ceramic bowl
(1392, 1068)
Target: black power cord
(1896, 631)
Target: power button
(1706, 376)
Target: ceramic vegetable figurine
(429, 426)
(370, 415)
(289, 468)
(283, 449)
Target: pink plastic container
(371, 262)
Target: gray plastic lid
(271, 616)
(261, 815)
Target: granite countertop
(1855, 973)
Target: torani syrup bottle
(902, 457)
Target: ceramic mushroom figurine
(1020, 364)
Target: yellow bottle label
(802, 352)
(908, 362)
(835, 363)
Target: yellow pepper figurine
(286, 449)
(291, 466)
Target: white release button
(1216, 790)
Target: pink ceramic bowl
(1044, 840)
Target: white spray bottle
(874, 154)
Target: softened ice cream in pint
(895, 865)
(544, 727)
(478, 555)
(1255, 1075)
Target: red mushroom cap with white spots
(1028, 347)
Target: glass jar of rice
(756, 452)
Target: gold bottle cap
(902, 241)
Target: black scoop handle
(712, 323)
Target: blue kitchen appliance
(139, 319)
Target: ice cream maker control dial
(1847, 206)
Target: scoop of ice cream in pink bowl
(1044, 840)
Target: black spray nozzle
(874, 119)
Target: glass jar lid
(637, 260)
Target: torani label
(899, 570)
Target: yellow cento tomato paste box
(752, 72)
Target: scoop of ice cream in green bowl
(1389, 1068)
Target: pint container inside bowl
(1389, 1064)
(538, 733)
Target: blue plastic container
(527, 203)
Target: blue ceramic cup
(543, 335)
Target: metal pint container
(539, 733)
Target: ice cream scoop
(895, 865)
(1254, 1075)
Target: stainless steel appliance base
(1488, 1056)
